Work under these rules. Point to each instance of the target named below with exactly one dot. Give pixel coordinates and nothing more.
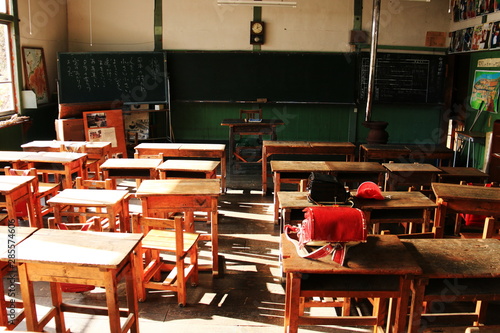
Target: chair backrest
(143, 224)
(251, 114)
(106, 184)
(23, 172)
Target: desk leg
(264, 170)
(292, 302)
(28, 295)
(110, 284)
(277, 187)
(223, 170)
(417, 304)
(56, 294)
(130, 281)
(112, 220)
(231, 146)
(439, 218)
(215, 242)
(402, 305)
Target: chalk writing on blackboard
(138, 77)
(403, 78)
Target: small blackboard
(404, 78)
(129, 77)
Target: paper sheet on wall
(106, 134)
(137, 122)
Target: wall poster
(484, 95)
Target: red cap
(369, 190)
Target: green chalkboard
(277, 76)
(130, 77)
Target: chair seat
(164, 240)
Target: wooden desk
(292, 172)
(453, 198)
(290, 207)
(95, 150)
(188, 169)
(187, 150)
(160, 197)
(243, 127)
(458, 174)
(453, 270)
(13, 159)
(270, 148)
(10, 236)
(404, 175)
(15, 190)
(398, 207)
(426, 152)
(93, 258)
(130, 168)
(71, 202)
(65, 164)
(383, 152)
(381, 268)
(357, 172)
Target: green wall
(407, 124)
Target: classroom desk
(453, 198)
(188, 169)
(94, 258)
(426, 152)
(406, 152)
(9, 236)
(295, 171)
(163, 196)
(458, 174)
(13, 159)
(270, 148)
(383, 152)
(243, 127)
(453, 270)
(65, 164)
(292, 172)
(15, 190)
(130, 168)
(187, 150)
(95, 150)
(113, 203)
(398, 207)
(405, 175)
(290, 207)
(381, 268)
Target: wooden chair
(92, 165)
(166, 235)
(248, 141)
(106, 184)
(42, 191)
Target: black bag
(325, 188)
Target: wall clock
(257, 30)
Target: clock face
(257, 27)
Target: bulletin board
(106, 126)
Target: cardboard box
(70, 129)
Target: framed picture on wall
(35, 73)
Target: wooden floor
(249, 297)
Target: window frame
(11, 19)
